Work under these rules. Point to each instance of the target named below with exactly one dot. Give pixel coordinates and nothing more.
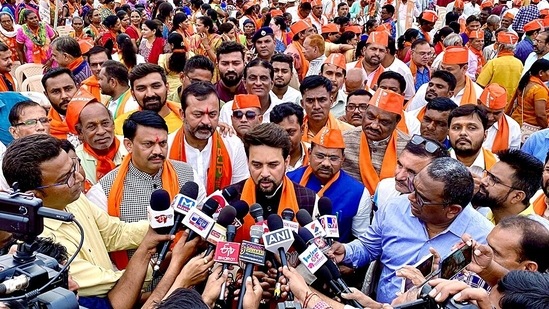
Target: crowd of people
(424, 123)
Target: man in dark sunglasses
(246, 113)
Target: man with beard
(468, 125)
(283, 66)
(100, 151)
(290, 117)
(60, 87)
(503, 131)
(434, 123)
(357, 103)
(324, 176)
(441, 85)
(334, 69)
(373, 53)
(113, 80)
(301, 29)
(509, 185)
(315, 91)
(126, 190)
(200, 144)
(149, 86)
(264, 43)
(96, 57)
(541, 50)
(371, 153)
(7, 83)
(230, 62)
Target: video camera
(33, 280)
(425, 301)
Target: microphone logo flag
(197, 221)
(163, 218)
(252, 253)
(282, 238)
(293, 226)
(316, 229)
(313, 258)
(329, 223)
(183, 203)
(227, 252)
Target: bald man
(354, 80)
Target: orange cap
(509, 15)
(299, 26)
(246, 101)
(458, 4)
(384, 27)
(494, 97)
(534, 25)
(430, 16)
(544, 12)
(388, 100)
(455, 55)
(275, 13)
(379, 37)
(316, 3)
(337, 59)
(85, 46)
(477, 34)
(329, 138)
(247, 5)
(354, 29)
(507, 38)
(487, 4)
(330, 28)
(75, 107)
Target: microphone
(251, 253)
(256, 211)
(221, 201)
(229, 194)
(309, 255)
(288, 216)
(226, 252)
(327, 220)
(200, 221)
(242, 209)
(279, 239)
(181, 204)
(159, 213)
(219, 231)
(306, 221)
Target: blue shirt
(398, 238)
(422, 76)
(524, 48)
(537, 144)
(7, 100)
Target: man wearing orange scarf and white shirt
(96, 57)
(503, 131)
(66, 52)
(316, 91)
(326, 178)
(100, 151)
(373, 54)
(371, 153)
(149, 86)
(219, 161)
(475, 44)
(316, 17)
(301, 30)
(125, 192)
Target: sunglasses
(430, 147)
(250, 115)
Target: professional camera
(425, 301)
(31, 279)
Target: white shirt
(293, 11)
(315, 65)
(530, 60)
(200, 160)
(140, 59)
(514, 134)
(361, 220)
(227, 110)
(457, 96)
(402, 13)
(401, 68)
(291, 95)
(419, 101)
(472, 65)
(479, 160)
(299, 163)
(412, 123)
(338, 106)
(113, 104)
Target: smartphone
(425, 266)
(456, 262)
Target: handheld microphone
(159, 213)
(242, 209)
(221, 201)
(306, 221)
(256, 211)
(229, 194)
(181, 204)
(288, 216)
(279, 239)
(219, 231)
(327, 220)
(309, 254)
(227, 253)
(252, 253)
(200, 221)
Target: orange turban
(330, 28)
(275, 13)
(430, 16)
(75, 107)
(477, 34)
(354, 29)
(509, 15)
(388, 100)
(534, 25)
(329, 138)
(299, 26)
(458, 4)
(455, 55)
(487, 4)
(494, 97)
(246, 101)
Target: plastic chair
(27, 70)
(33, 83)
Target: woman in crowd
(404, 43)
(249, 30)
(84, 40)
(282, 38)
(124, 20)
(113, 26)
(33, 40)
(182, 26)
(127, 53)
(8, 32)
(348, 37)
(95, 28)
(532, 104)
(205, 41)
(152, 43)
(165, 16)
(134, 28)
(439, 38)
(228, 32)
(26, 5)
(174, 62)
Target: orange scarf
(402, 123)
(58, 127)
(306, 156)
(489, 159)
(501, 141)
(368, 174)
(304, 61)
(170, 183)
(413, 68)
(540, 205)
(92, 86)
(75, 64)
(105, 163)
(307, 175)
(377, 73)
(331, 123)
(469, 93)
(505, 53)
(220, 171)
(480, 58)
(426, 36)
(4, 86)
(121, 106)
(287, 200)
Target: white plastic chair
(33, 83)
(26, 70)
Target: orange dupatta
(4, 86)
(377, 73)
(501, 141)
(368, 174)
(170, 183)
(307, 175)
(540, 205)
(331, 123)
(413, 68)
(306, 156)
(304, 61)
(287, 200)
(220, 171)
(402, 123)
(469, 93)
(426, 36)
(489, 159)
(58, 127)
(91, 84)
(75, 64)
(480, 58)
(105, 163)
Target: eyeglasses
(352, 107)
(322, 157)
(430, 147)
(420, 200)
(493, 180)
(33, 122)
(250, 115)
(71, 179)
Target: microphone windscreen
(305, 234)
(210, 207)
(229, 194)
(332, 267)
(160, 200)
(288, 214)
(299, 244)
(242, 209)
(226, 216)
(190, 190)
(274, 222)
(303, 217)
(256, 211)
(324, 274)
(324, 206)
(220, 200)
